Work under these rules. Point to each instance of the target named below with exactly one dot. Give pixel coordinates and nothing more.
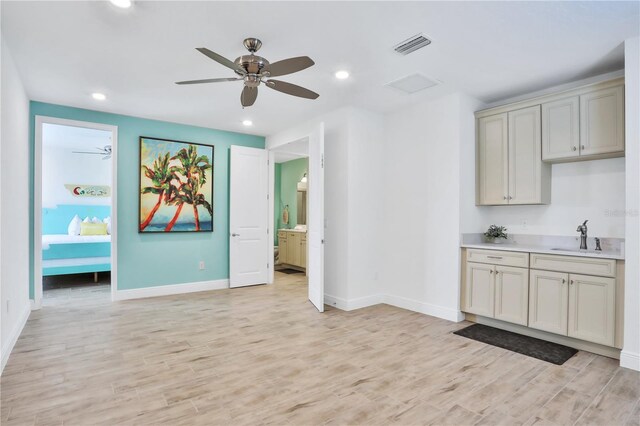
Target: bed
(75, 254)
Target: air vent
(412, 83)
(412, 44)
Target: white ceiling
(490, 50)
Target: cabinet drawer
(496, 257)
(572, 264)
(282, 235)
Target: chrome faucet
(582, 229)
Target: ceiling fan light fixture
(123, 4)
(342, 75)
(99, 96)
(247, 123)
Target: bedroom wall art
(176, 186)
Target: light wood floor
(263, 355)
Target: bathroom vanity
(292, 248)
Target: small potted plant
(496, 234)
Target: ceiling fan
(255, 69)
(105, 151)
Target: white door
(315, 227)
(248, 217)
(492, 160)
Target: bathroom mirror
(302, 207)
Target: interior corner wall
(630, 356)
(422, 207)
(155, 260)
(14, 205)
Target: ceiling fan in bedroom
(253, 70)
(104, 151)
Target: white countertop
(607, 254)
(292, 230)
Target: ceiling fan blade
(291, 89)
(221, 59)
(87, 152)
(289, 66)
(248, 96)
(208, 80)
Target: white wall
(593, 190)
(61, 166)
(422, 187)
(14, 205)
(630, 356)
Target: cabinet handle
(491, 271)
(563, 281)
(581, 146)
(510, 197)
(494, 257)
(574, 148)
(571, 282)
(505, 197)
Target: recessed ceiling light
(99, 96)
(247, 123)
(124, 4)
(341, 75)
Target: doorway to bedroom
(74, 224)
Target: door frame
(40, 120)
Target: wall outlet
(202, 265)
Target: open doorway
(74, 217)
(290, 214)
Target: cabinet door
(283, 249)
(492, 165)
(602, 121)
(294, 248)
(592, 308)
(548, 301)
(561, 129)
(512, 294)
(479, 289)
(525, 156)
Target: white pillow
(95, 220)
(107, 220)
(74, 226)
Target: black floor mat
(530, 346)
(289, 271)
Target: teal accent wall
(286, 180)
(56, 220)
(146, 260)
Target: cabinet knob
(510, 197)
(571, 282)
(581, 146)
(574, 148)
(563, 281)
(505, 197)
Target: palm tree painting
(175, 175)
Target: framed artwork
(176, 186)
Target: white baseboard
(630, 360)
(352, 304)
(168, 290)
(424, 308)
(14, 334)
(397, 301)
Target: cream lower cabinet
(497, 292)
(293, 248)
(579, 306)
(592, 308)
(512, 294)
(548, 301)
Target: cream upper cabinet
(602, 121)
(525, 157)
(493, 179)
(479, 289)
(561, 129)
(592, 308)
(511, 294)
(548, 301)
